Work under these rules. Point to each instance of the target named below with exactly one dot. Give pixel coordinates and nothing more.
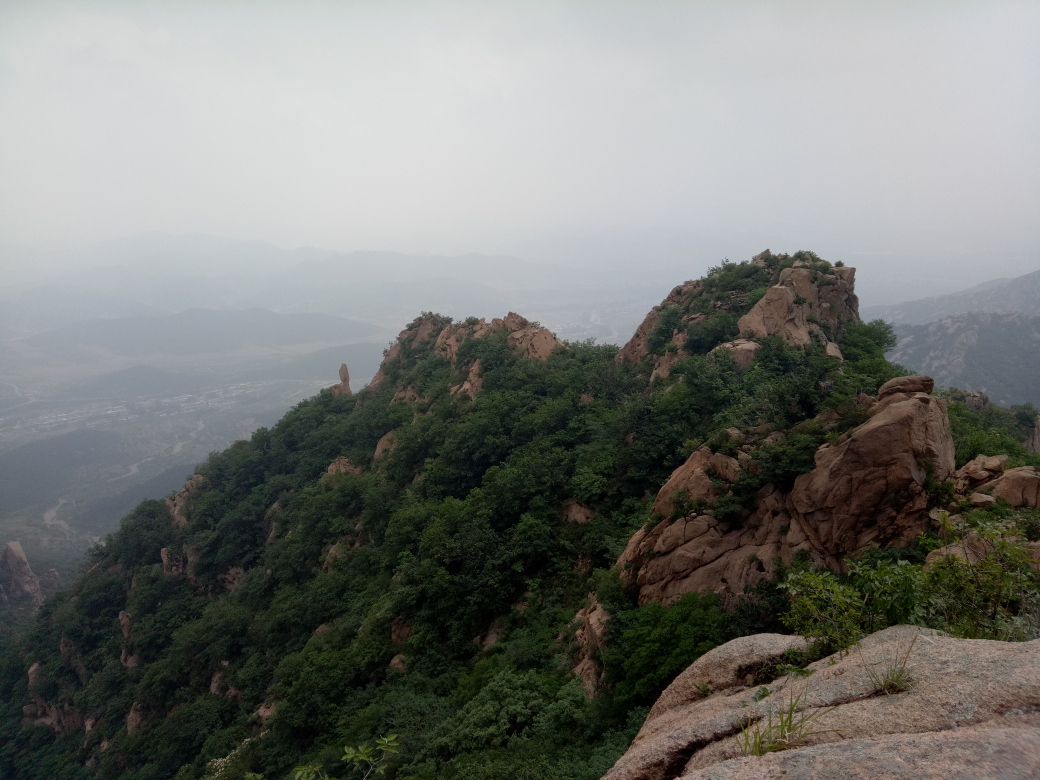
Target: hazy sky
(450, 127)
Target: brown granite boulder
(792, 308)
(960, 686)
(531, 342)
(870, 488)
(690, 477)
(1019, 487)
(981, 469)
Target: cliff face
(19, 582)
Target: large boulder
(987, 691)
(1019, 487)
(869, 489)
(802, 301)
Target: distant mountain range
(197, 331)
(1021, 294)
(993, 353)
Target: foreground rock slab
(973, 711)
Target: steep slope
(434, 555)
(1021, 295)
(987, 353)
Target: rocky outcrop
(742, 351)
(342, 465)
(691, 482)
(868, 488)
(343, 388)
(385, 445)
(982, 469)
(473, 384)
(19, 581)
(528, 339)
(576, 512)
(985, 693)
(180, 502)
(591, 629)
(637, 347)
(1019, 487)
(804, 302)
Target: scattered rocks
(1020, 487)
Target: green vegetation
(996, 596)
(433, 596)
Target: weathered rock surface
(984, 692)
(742, 351)
(19, 581)
(343, 388)
(1019, 487)
(637, 347)
(870, 488)
(801, 296)
(982, 469)
(576, 512)
(592, 628)
(342, 465)
(473, 383)
(180, 502)
(532, 342)
(385, 445)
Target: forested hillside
(428, 557)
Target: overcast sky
(452, 127)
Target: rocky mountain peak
(19, 581)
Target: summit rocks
(524, 337)
(802, 303)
